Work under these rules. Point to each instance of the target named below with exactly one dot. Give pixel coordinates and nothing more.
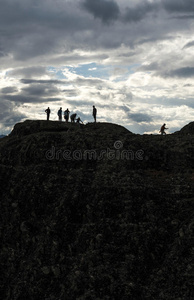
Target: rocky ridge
(96, 212)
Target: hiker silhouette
(60, 114)
(94, 113)
(163, 127)
(48, 111)
(66, 115)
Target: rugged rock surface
(96, 212)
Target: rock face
(96, 212)
(188, 129)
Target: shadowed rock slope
(96, 212)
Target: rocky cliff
(96, 212)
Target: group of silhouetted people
(78, 120)
(67, 114)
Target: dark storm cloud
(28, 72)
(89, 81)
(71, 93)
(125, 108)
(185, 17)
(139, 12)
(136, 117)
(105, 10)
(185, 72)
(33, 28)
(9, 114)
(149, 67)
(33, 13)
(8, 90)
(6, 106)
(81, 81)
(178, 102)
(9, 120)
(40, 90)
(188, 45)
(2, 53)
(29, 99)
(29, 81)
(188, 85)
(109, 10)
(139, 117)
(178, 6)
(37, 91)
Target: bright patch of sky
(94, 70)
(86, 70)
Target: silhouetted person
(66, 115)
(94, 113)
(73, 116)
(162, 129)
(60, 114)
(78, 120)
(48, 111)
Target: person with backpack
(48, 111)
(60, 114)
(66, 115)
(94, 113)
(162, 129)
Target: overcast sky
(132, 59)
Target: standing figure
(66, 115)
(162, 129)
(48, 111)
(60, 114)
(73, 116)
(94, 113)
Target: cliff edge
(96, 212)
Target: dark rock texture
(96, 212)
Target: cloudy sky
(133, 59)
